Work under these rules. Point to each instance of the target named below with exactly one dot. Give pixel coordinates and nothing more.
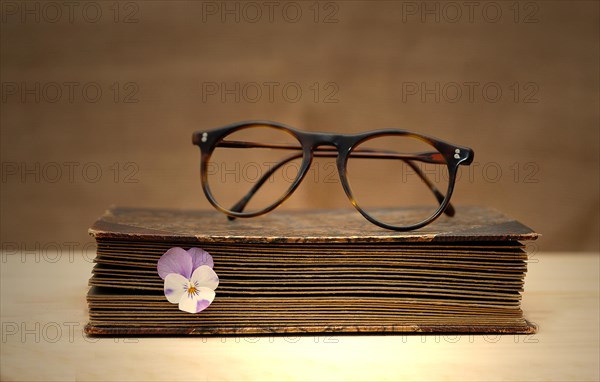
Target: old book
(312, 272)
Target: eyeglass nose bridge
(327, 145)
(316, 140)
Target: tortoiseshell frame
(311, 146)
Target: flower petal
(205, 277)
(175, 260)
(175, 287)
(197, 302)
(200, 257)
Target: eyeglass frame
(453, 156)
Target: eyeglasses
(250, 168)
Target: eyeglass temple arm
(241, 204)
(429, 157)
(450, 211)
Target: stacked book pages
(312, 272)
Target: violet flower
(189, 278)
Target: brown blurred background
(100, 98)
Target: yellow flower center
(192, 289)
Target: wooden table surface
(44, 311)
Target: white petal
(204, 276)
(197, 302)
(175, 287)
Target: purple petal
(200, 257)
(175, 260)
(201, 305)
